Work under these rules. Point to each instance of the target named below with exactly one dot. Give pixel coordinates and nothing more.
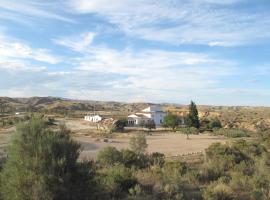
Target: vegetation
(120, 125)
(43, 164)
(138, 143)
(150, 125)
(192, 119)
(189, 130)
(171, 121)
(231, 133)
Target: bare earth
(171, 144)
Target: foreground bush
(218, 191)
(42, 165)
(117, 181)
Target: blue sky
(214, 52)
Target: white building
(93, 118)
(154, 113)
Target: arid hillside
(249, 118)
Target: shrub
(118, 180)
(133, 160)
(224, 151)
(42, 164)
(218, 191)
(242, 187)
(138, 143)
(157, 158)
(175, 167)
(231, 133)
(120, 125)
(109, 156)
(215, 124)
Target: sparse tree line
(44, 164)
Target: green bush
(120, 125)
(138, 143)
(218, 191)
(215, 123)
(42, 164)
(109, 156)
(118, 180)
(175, 167)
(157, 159)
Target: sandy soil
(77, 124)
(171, 144)
(168, 143)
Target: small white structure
(154, 113)
(93, 118)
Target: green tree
(42, 165)
(193, 116)
(138, 143)
(120, 125)
(171, 121)
(215, 123)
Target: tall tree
(42, 165)
(193, 116)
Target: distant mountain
(56, 103)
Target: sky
(215, 52)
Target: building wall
(158, 117)
(93, 118)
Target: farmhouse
(93, 118)
(152, 113)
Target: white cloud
(16, 49)
(76, 43)
(19, 66)
(177, 22)
(30, 11)
(154, 70)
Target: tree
(138, 143)
(193, 117)
(215, 123)
(42, 165)
(120, 125)
(171, 121)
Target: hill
(249, 118)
